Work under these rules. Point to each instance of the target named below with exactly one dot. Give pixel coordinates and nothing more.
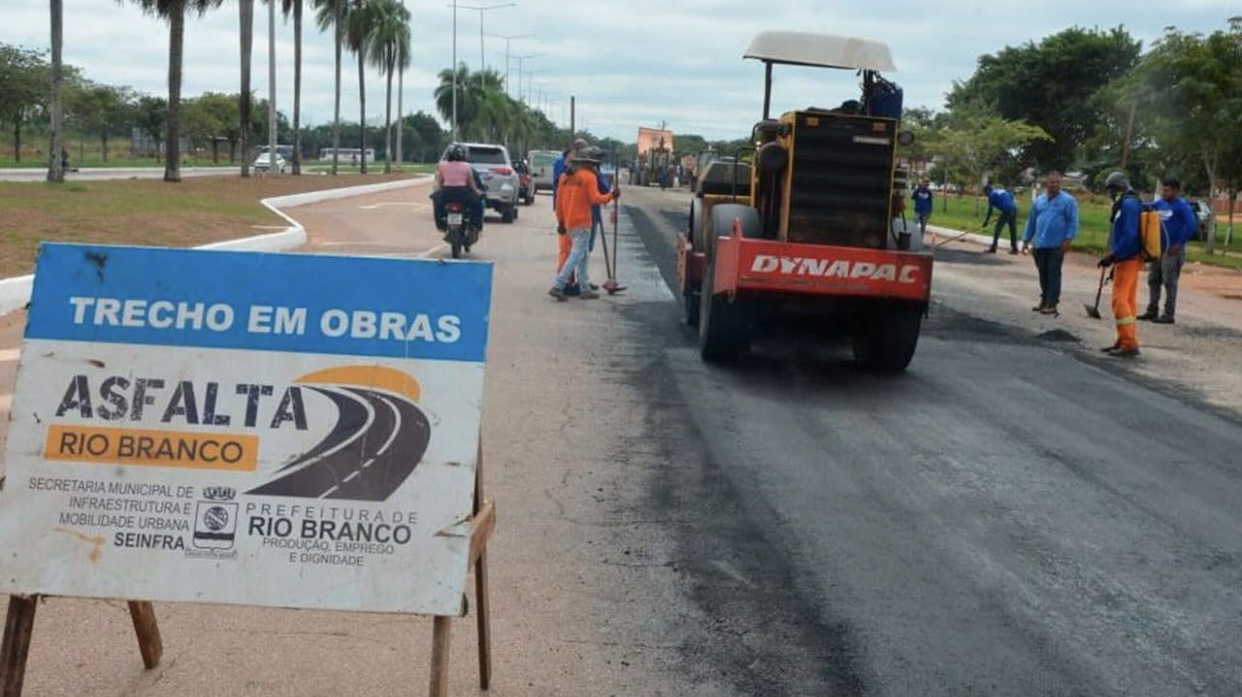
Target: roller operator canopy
(820, 50)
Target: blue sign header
(304, 303)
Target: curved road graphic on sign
(372, 450)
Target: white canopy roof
(822, 50)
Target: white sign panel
(260, 429)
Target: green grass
(1093, 211)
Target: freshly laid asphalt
(1014, 516)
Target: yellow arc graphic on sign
(377, 376)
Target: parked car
(541, 168)
(262, 163)
(500, 182)
(1203, 214)
(526, 185)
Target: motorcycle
(462, 231)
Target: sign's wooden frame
(19, 622)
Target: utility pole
(572, 130)
(506, 54)
(481, 10)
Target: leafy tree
(1051, 85)
(151, 115)
(24, 89)
(174, 11)
(1191, 84)
(101, 110)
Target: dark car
(526, 185)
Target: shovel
(1093, 311)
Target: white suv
(500, 181)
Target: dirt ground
(196, 211)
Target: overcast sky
(629, 63)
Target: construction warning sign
(262, 429)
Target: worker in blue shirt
(1124, 247)
(1006, 212)
(1052, 227)
(1177, 224)
(922, 196)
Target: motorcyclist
(456, 180)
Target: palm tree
(358, 29)
(331, 14)
(55, 165)
(295, 6)
(245, 9)
(467, 106)
(174, 11)
(388, 48)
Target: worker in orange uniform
(1124, 247)
(560, 165)
(577, 192)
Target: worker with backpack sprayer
(1178, 223)
(1125, 256)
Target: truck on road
(655, 157)
(807, 226)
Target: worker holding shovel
(577, 192)
(1124, 247)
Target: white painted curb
(15, 291)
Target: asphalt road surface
(1014, 516)
(1009, 518)
(377, 443)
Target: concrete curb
(15, 291)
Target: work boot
(1014, 250)
(572, 289)
(1149, 315)
(1124, 352)
(558, 294)
(1163, 319)
(588, 295)
(991, 251)
(1110, 349)
(1038, 308)
(1049, 310)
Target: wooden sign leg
(149, 641)
(440, 656)
(18, 627)
(480, 585)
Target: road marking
(355, 243)
(10, 355)
(440, 246)
(353, 474)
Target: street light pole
(519, 60)
(482, 54)
(506, 53)
(454, 124)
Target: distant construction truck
(806, 229)
(655, 158)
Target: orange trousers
(563, 244)
(1125, 301)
